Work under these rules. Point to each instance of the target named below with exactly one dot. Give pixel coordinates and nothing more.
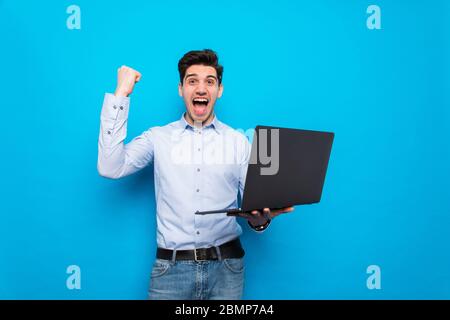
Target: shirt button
(109, 132)
(115, 107)
(121, 108)
(198, 190)
(198, 232)
(198, 149)
(198, 169)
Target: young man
(199, 164)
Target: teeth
(200, 100)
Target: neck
(196, 123)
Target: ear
(180, 89)
(219, 94)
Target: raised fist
(126, 78)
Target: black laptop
(287, 167)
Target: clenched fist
(126, 78)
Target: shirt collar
(215, 124)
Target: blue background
(303, 64)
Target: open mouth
(200, 105)
(200, 102)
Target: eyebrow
(195, 75)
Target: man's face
(200, 89)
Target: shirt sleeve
(116, 159)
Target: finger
(284, 210)
(138, 77)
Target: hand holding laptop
(257, 218)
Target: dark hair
(204, 57)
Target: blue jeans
(192, 280)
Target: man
(199, 164)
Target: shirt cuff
(115, 108)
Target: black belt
(231, 249)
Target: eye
(192, 81)
(210, 82)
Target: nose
(201, 90)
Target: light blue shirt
(194, 169)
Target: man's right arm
(115, 159)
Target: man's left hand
(257, 218)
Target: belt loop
(219, 255)
(174, 255)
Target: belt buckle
(202, 256)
